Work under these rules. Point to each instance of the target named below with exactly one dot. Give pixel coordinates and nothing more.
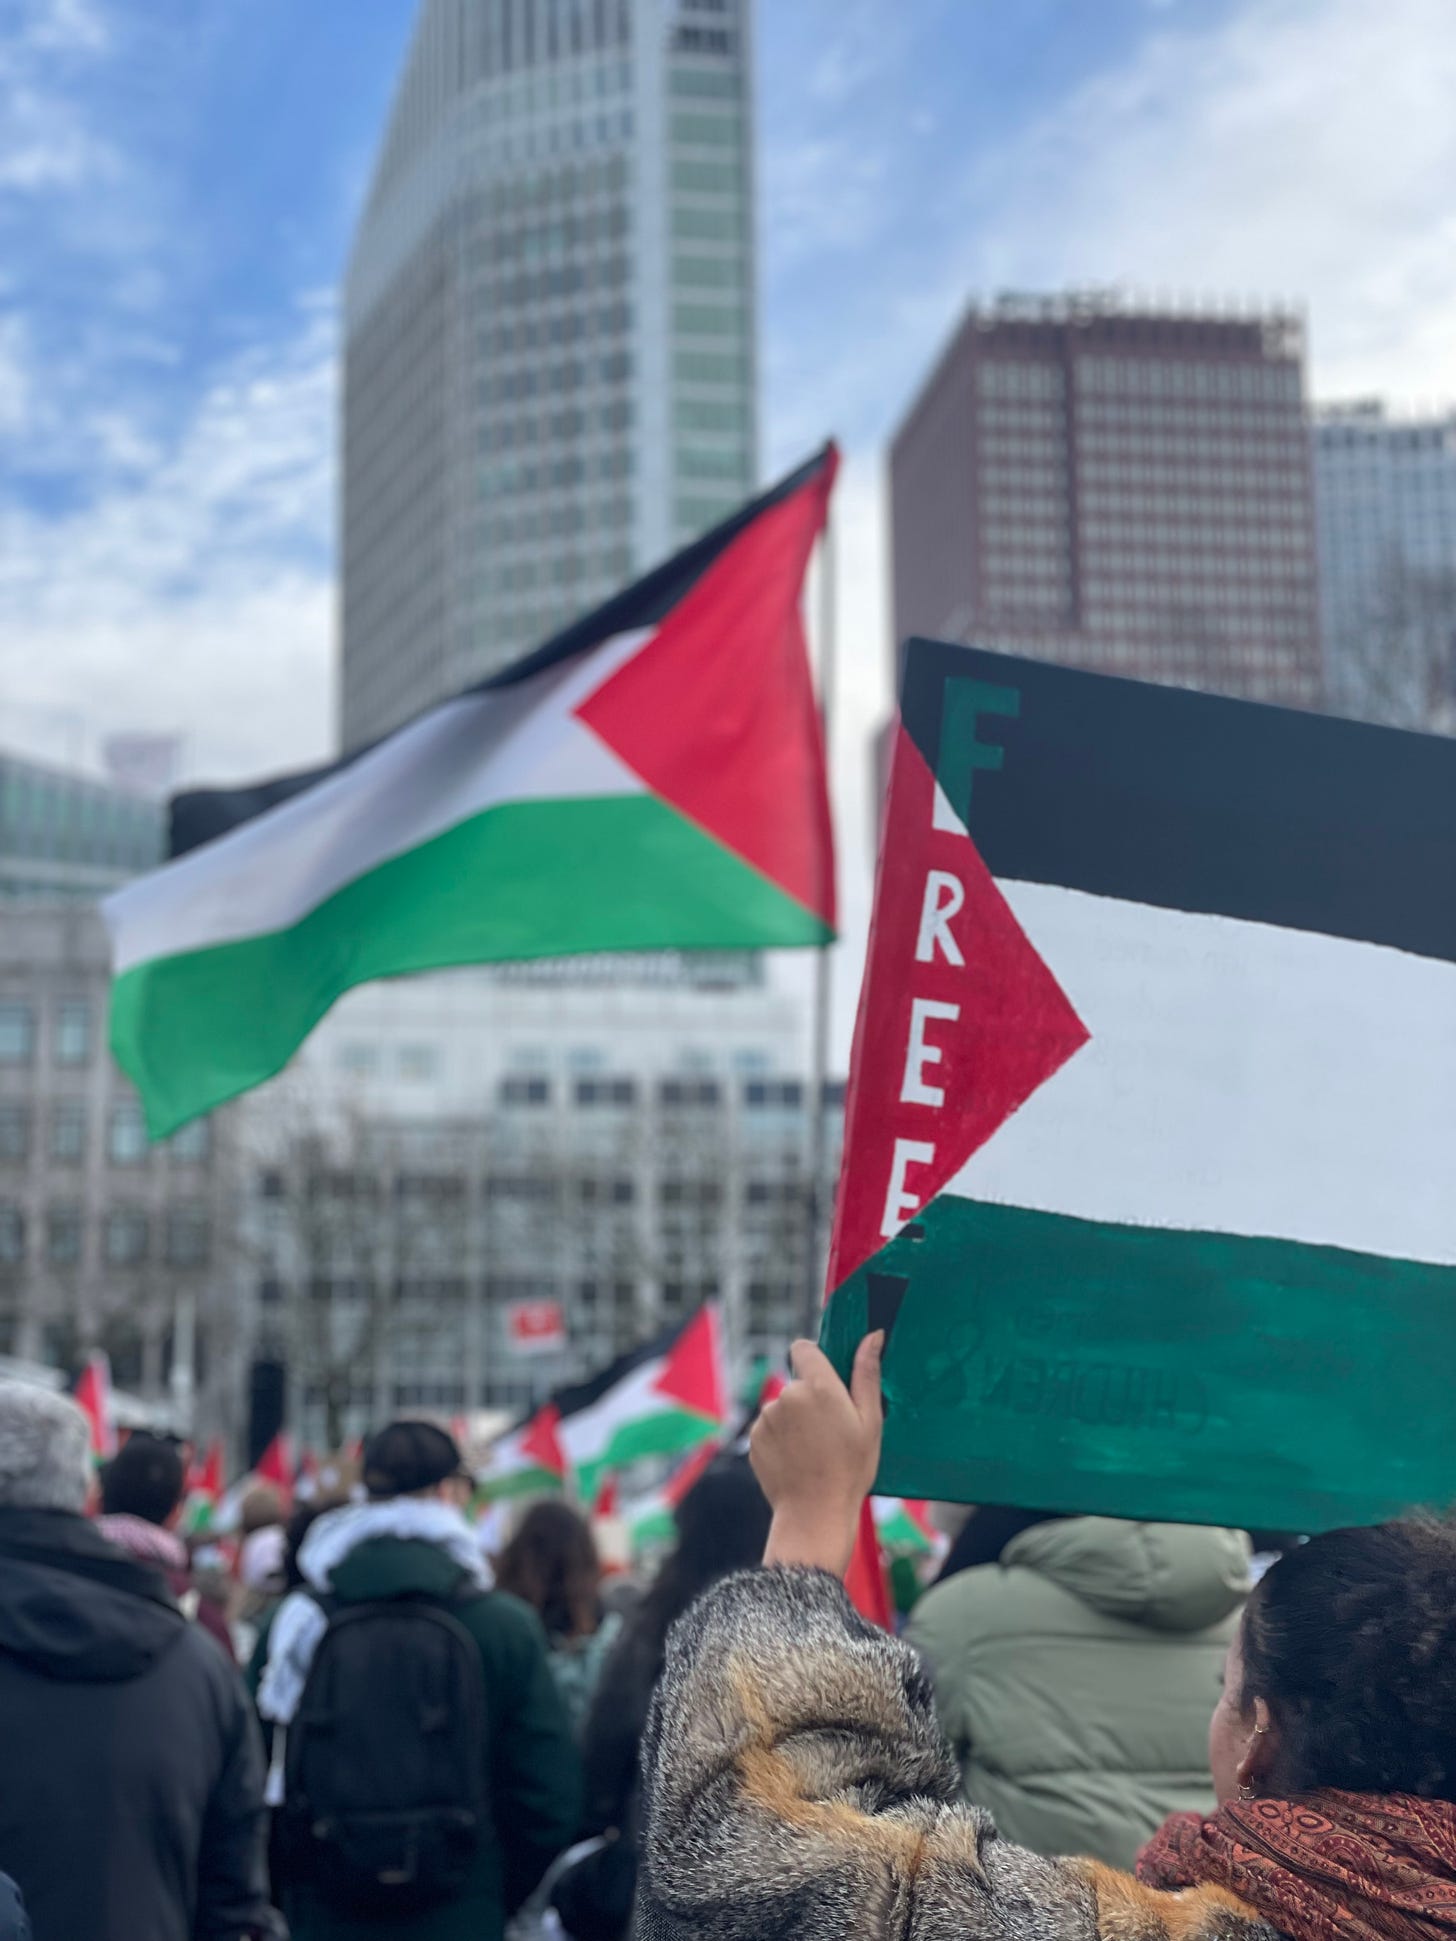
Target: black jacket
(131, 1793)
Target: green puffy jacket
(1075, 1679)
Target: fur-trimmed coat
(796, 1785)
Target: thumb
(864, 1381)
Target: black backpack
(385, 1801)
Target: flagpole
(816, 1199)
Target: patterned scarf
(1331, 1867)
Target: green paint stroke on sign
(960, 754)
(1064, 1364)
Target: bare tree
(326, 1233)
(1397, 665)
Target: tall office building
(1385, 496)
(1126, 491)
(549, 368)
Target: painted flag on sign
(1150, 1129)
(653, 778)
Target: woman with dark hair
(722, 1525)
(796, 1783)
(551, 1563)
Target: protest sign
(1152, 1113)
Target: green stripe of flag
(521, 880)
(1153, 1372)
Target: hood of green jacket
(395, 1567)
(1170, 1576)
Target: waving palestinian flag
(1152, 1114)
(653, 778)
(667, 1396)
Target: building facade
(105, 1240)
(549, 363)
(66, 836)
(1385, 496)
(453, 1152)
(1092, 483)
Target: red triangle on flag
(606, 1497)
(206, 1478)
(541, 1443)
(275, 1466)
(692, 1373)
(717, 713)
(1000, 1027)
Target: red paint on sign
(959, 1022)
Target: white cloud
(1304, 150)
(823, 193)
(45, 143)
(70, 26)
(194, 590)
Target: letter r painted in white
(944, 896)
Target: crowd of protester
(1089, 1729)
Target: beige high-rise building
(549, 359)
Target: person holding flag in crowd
(796, 1781)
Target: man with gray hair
(133, 1799)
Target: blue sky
(178, 181)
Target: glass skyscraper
(549, 372)
(1385, 493)
(66, 836)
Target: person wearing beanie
(133, 1803)
(423, 1764)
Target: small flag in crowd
(1152, 1083)
(528, 1458)
(93, 1398)
(653, 778)
(651, 1519)
(904, 1527)
(865, 1580)
(204, 1490)
(665, 1397)
(276, 1467)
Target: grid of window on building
(710, 180)
(624, 1202)
(63, 835)
(549, 347)
(1385, 494)
(103, 1235)
(1134, 496)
